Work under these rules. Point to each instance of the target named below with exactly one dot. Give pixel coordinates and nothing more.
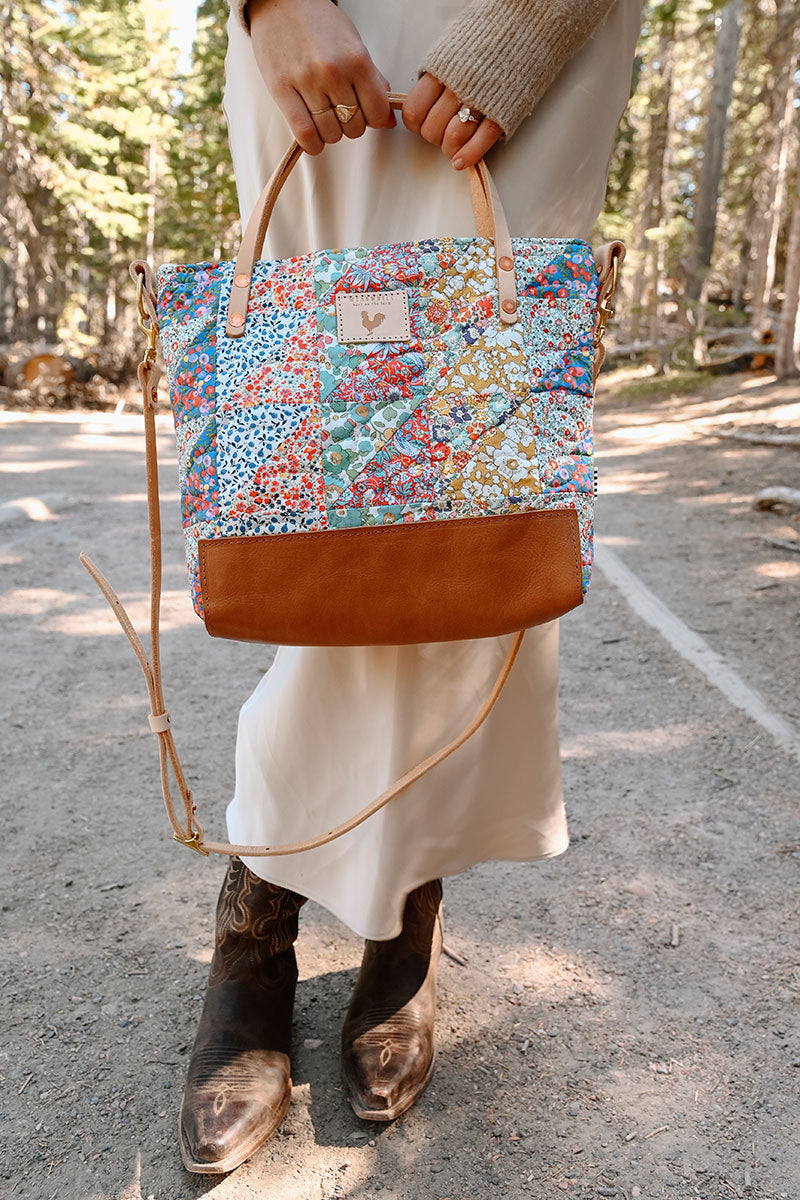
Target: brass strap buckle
(605, 310)
(146, 323)
(192, 842)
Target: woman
(328, 729)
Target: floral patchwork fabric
(287, 429)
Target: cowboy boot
(239, 1082)
(387, 1039)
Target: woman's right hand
(311, 57)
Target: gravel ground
(625, 1021)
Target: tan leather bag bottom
(429, 581)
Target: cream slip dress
(327, 730)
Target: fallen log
(751, 359)
(776, 497)
(782, 544)
(789, 441)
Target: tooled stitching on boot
(256, 921)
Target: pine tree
(201, 218)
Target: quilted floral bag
(379, 445)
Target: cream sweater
(500, 56)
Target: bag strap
(490, 220)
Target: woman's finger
(482, 140)
(300, 121)
(419, 102)
(458, 133)
(355, 125)
(372, 93)
(325, 120)
(439, 117)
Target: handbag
(376, 445)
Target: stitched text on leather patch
(372, 317)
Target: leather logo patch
(372, 317)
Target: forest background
(114, 149)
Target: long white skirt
(327, 730)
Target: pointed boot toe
(230, 1109)
(387, 1067)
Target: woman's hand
(311, 57)
(431, 110)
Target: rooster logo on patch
(372, 323)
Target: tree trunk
(740, 282)
(647, 255)
(110, 314)
(788, 347)
(84, 277)
(725, 57)
(152, 154)
(774, 175)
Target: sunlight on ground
(776, 414)
(94, 620)
(26, 467)
(612, 539)
(719, 495)
(141, 497)
(552, 974)
(117, 441)
(31, 506)
(632, 741)
(176, 613)
(645, 432)
(701, 415)
(613, 483)
(32, 602)
(757, 381)
(779, 570)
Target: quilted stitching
(285, 429)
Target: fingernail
(458, 163)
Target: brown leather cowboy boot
(239, 1082)
(387, 1039)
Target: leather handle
(490, 220)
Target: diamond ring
(464, 114)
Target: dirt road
(626, 1021)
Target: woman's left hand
(431, 110)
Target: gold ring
(317, 112)
(345, 112)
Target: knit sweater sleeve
(501, 56)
